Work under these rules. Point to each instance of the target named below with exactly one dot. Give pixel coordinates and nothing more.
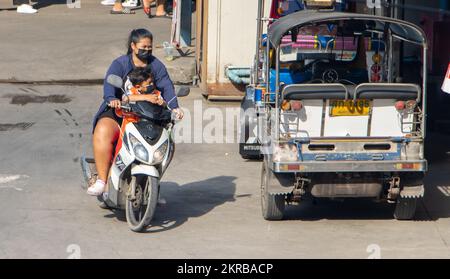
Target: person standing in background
(24, 7)
(126, 3)
(160, 8)
(126, 7)
(119, 9)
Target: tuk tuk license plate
(349, 107)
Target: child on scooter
(142, 87)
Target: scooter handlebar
(123, 105)
(126, 106)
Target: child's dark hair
(139, 75)
(136, 35)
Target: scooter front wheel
(141, 206)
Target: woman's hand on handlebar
(115, 103)
(160, 101)
(178, 113)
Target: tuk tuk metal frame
(279, 27)
(287, 181)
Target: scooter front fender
(137, 169)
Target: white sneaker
(26, 9)
(108, 2)
(97, 189)
(130, 3)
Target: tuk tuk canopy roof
(403, 29)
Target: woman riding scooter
(106, 122)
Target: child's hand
(152, 98)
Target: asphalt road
(213, 201)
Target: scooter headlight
(138, 148)
(159, 154)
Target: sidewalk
(77, 45)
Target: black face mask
(144, 55)
(148, 89)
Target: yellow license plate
(349, 107)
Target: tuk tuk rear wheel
(272, 205)
(405, 209)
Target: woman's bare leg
(118, 6)
(146, 4)
(160, 11)
(106, 134)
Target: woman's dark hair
(139, 75)
(136, 35)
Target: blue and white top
(122, 66)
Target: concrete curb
(79, 82)
(180, 74)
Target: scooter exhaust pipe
(86, 169)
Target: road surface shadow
(357, 209)
(187, 201)
(45, 3)
(437, 148)
(436, 203)
(191, 200)
(434, 206)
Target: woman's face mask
(144, 54)
(143, 49)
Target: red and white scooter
(143, 152)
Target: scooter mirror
(182, 91)
(115, 81)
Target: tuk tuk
(331, 114)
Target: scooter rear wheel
(140, 211)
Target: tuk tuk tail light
(408, 166)
(400, 105)
(286, 105)
(407, 106)
(296, 105)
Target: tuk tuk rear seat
(397, 91)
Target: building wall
(231, 36)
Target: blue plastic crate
(288, 77)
